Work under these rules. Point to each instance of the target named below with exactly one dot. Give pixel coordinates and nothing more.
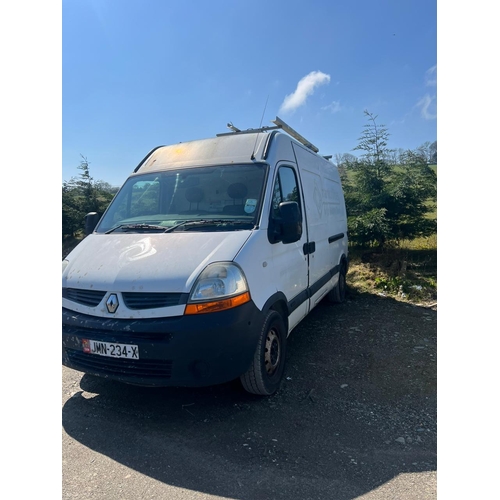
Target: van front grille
(132, 300)
(144, 300)
(90, 298)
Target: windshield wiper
(134, 227)
(163, 229)
(173, 228)
(210, 222)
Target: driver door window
(285, 189)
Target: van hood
(141, 262)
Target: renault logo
(112, 303)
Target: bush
(80, 196)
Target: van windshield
(218, 198)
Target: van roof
(240, 146)
(227, 149)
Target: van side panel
(326, 220)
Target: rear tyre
(338, 294)
(265, 374)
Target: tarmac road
(355, 418)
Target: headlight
(218, 280)
(65, 263)
(220, 286)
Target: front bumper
(189, 351)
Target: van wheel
(265, 373)
(338, 294)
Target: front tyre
(265, 374)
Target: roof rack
(280, 124)
(290, 131)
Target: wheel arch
(278, 303)
(344, 260)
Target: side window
(285, 189)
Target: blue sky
(138, 74)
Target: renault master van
(207, 258)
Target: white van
(207, 258)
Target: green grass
(407, 272)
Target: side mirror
(291, 222)
(91, 220)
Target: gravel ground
(355, 418)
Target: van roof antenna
(260, 126)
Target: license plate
(110, 349)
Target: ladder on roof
(279, 124)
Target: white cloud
(304, 89)
(334, 107)
(427, 107)
(431, 76)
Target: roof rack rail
(236, 130)
(280, 124)
(290, 131)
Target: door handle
(309, 247)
